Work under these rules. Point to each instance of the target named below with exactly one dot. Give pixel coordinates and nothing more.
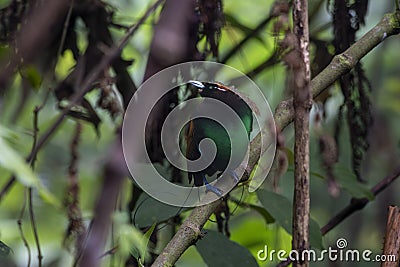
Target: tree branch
(392, 240)
(248, 37)
(189, 231)
(359, 203)
(300, 67)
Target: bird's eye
(197, 83)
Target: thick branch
(300, 66)
(284, 114)
(392, 240)
(187, 235)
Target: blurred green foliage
(267, 218)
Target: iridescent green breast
(207, 128)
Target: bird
(201, 128)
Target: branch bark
(300, 66)
(189, 231)
(392, 240)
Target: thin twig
(65, 29)
(36, 145)
(360, 203)
(34, 227)
(253, 33)
(269, 62)
(21, 231)
(30, 199)
(7, 187)
(111, 252)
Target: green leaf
(130, 239)
(4, 250)
(8, 134)
(65, 64)
(317, 175)
(13, 162)
(315, 235)
(33, 76)
(4, 3)
(263, 212)
(348, 181)
(289, 154)
(146, 240)
(47, 196)
(278, 206)
(149, 211)
(217, 250)
(281, 210)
